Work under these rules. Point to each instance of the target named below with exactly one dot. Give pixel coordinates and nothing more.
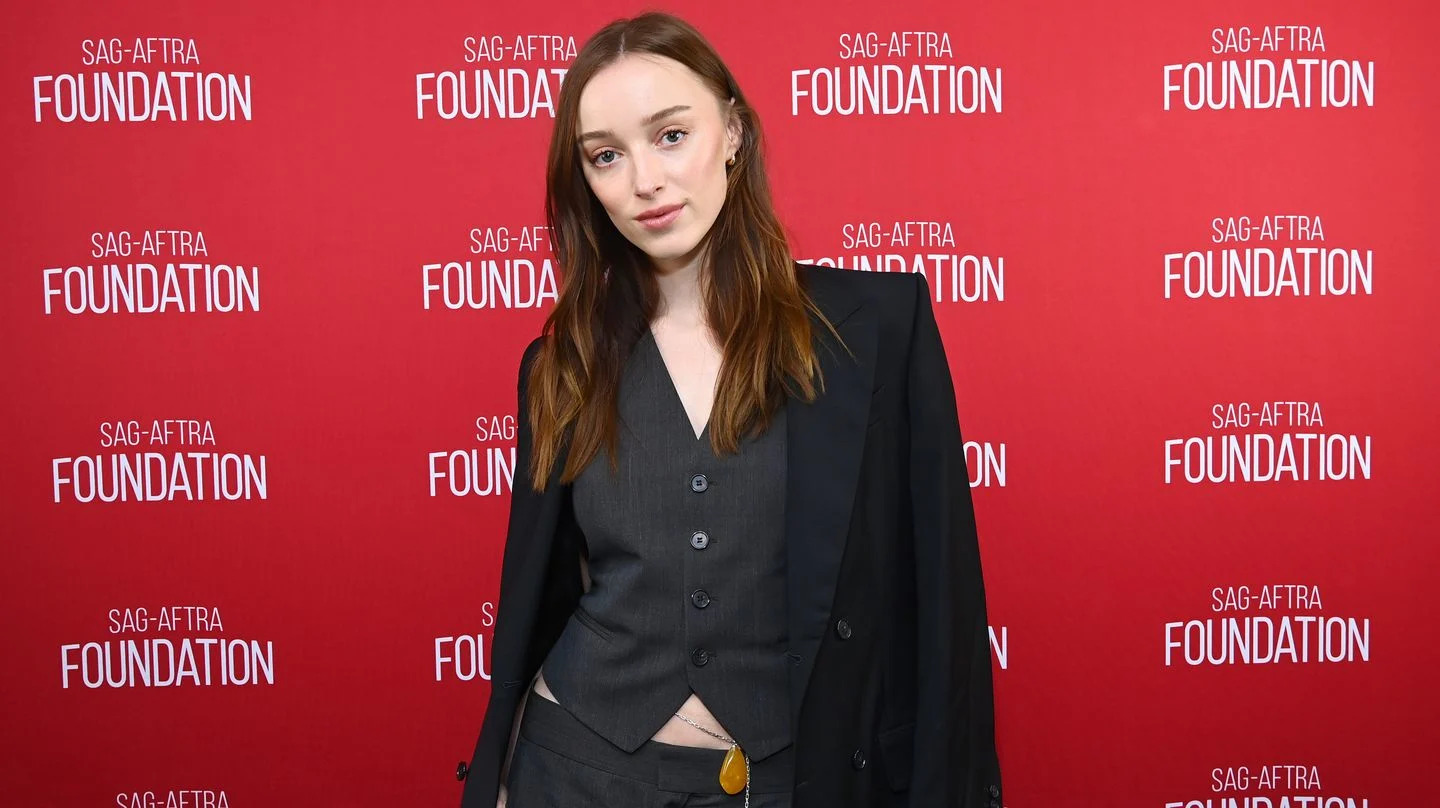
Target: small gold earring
(731, 161)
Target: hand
(500, 801)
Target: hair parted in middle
(752, 297)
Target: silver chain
(729, 740)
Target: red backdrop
(274, 294)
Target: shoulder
(527, 358)
(894, 294)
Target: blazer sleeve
(955, 763)
(533, 607)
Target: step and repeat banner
(270, 268)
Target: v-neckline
(675, 391)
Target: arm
(563, 584)
(522, 455)
(955, 763)
(490, 749)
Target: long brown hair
(752, 297)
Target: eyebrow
(601, 134)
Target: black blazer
(891, 695)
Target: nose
(649, 175)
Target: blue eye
(596, 160)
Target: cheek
(702, 172)
(610, 199)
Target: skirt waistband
(670, 767)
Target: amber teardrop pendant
(732, 772)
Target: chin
(667, 248)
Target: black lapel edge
(826, 443)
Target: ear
(734, 129)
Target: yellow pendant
(732, 771)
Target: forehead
(621, 94)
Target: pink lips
(659, 218)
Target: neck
(681, 302)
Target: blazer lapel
(826, 440)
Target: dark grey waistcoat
(687, 568)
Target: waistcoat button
(700, 657)
(462, 771)
(699, 540)
(842, 627)
(700, 598)
(699, 483)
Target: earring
(731, 161)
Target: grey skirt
(559, 762)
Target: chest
(668, 485)
(691, 362)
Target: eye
(598, 160)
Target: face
(653, 144)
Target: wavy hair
(752, 296)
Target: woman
(741, 566)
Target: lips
(657, 220)
(656, 213)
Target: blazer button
(842, 628)
(994, 790)
(994, 804)
(699, 483)
(461, 771)
(858, 760)
(700, 657)
(700, 598)
(699, 540)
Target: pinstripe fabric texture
(687, 564)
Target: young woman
(741, 565)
